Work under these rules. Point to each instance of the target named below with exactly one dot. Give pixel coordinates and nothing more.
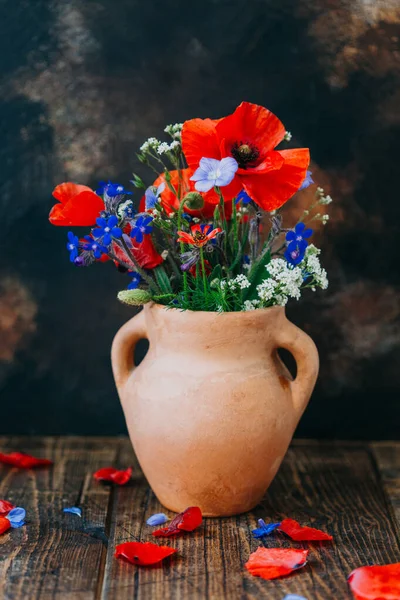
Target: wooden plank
(56, 555)
(332, 486)
(387, 456)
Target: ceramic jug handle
(305, 353)
(123, 347)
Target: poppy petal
(254, 124)
(65, 191)
(5, 507)
(199, 139)
(188, 520)
(271, 190)
(143, 553)
(371, 583)
(298, 533)
(82, 210)
(24, 461)
(5, 525)
(270, 563)
(113, 475)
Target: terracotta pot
(211, 410)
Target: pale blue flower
(213, 172)
(74, 510)
(158, 519)
(152, 195)
(294, 597)
(308, 180)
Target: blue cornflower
(299, 235)
(135, 280)
(188, 217)
(264, 529)
(92, 246)
(72, 246)
(140, 228)
(16, 517)
(307, 181)
(107, 229)
(243, 198)
(294, 254)
(152, 195)
(111, 189)
(73, 510)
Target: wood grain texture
(340, 488)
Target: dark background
(84, 83)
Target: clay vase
(211, 409)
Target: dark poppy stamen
(245, 154)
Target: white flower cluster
(312, 267)
(288, 136)
(240, 282)
(251, 305)
(151, 144)
(323, 199)
(174, 130)
(164, 147)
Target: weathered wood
(56, 555)
(387, 456)
(337, 487)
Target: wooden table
(351, 490)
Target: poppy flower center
(245, 154)
(200, 237)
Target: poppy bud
(193, 201)
(134, 297)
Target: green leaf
(257, 274)
(163, 280)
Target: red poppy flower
(171, 203)
(201, 235)
(298, 533)
(113, 475)
(79, 205)
(188, 520)
(24, 461)
(250, 135)
(145, 253)
(4, 525)
(207, 265)
(5, 507)
(270, 563)
(143, 553)
(376, 582)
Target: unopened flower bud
(193, 201)
(134, 297)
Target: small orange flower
(200, 236)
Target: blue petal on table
(264, 528)
(294, 597)
(16, 516)
(157, 519)
(74, 510)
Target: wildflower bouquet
(207, 234)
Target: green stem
(182, 247)
(151, 283)
(203, 270)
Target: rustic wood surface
(351, 490)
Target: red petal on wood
(113, 475)
(376, 582)
(143, 553)
(4, 525)
(5, 507)
(270, 563)
(24, 461)
(298, 533)
(188, 520)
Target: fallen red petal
(4, 525)
(5, 507)
(24, 461)
(376, 582)
(188, 520)
(143, 553)
(113, 475)
(270, 563)
(301, 534)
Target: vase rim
(258, 311)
